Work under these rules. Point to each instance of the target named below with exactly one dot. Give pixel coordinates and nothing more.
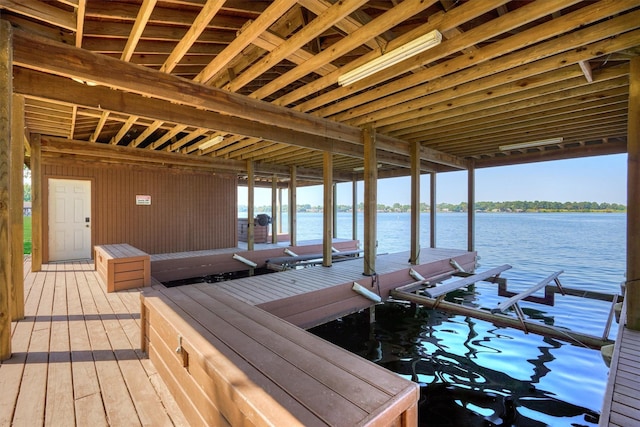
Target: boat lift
(431, 293)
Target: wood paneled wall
(190, 210)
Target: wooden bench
(230, 363)
(122, 266)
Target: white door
(69, 219)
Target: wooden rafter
(209, 10)
(80, 12)
(138, 27)
(244, 38)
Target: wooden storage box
(230, 363)
(122, 266)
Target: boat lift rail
(424, 292)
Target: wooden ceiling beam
(47, 86)
(42, 11)
(44, 55)
(162, 15)
(116, 153)
(122, 30)
(240, 115)
(154, 48)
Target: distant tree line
(513, 206)
(537, 206)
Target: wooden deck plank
(11, 371)
(114, 317)
(127, 304)
(88, 399)
(115, 395)
(30, 406)
(59, 399)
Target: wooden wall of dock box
(188, 210)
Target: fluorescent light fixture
(84, 82)
(361, 168)
(531, 144)
(210, 143)
(393, 57)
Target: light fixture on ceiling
(393, 57)
(84, 82)
(531, 144)
(210, 143)
(361, 168)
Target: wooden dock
(77, 359)
(621, 403)
(311, 296)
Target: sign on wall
(143, 199)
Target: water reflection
(471, 373)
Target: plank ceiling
(506, 72)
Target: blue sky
(594, 179)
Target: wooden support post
(280, 210)
(633, 198)
(432, 213)
(471, 211)
(414, 258)
(370, 200)
(354, 216)
(327, 238)
(293, 209)
(6, 89)
(16, 214)
(250, 210)
(335, 210)
(36, 202)
(274, 210)
(372, 314)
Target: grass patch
(27, 235)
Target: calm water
(472, 372)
